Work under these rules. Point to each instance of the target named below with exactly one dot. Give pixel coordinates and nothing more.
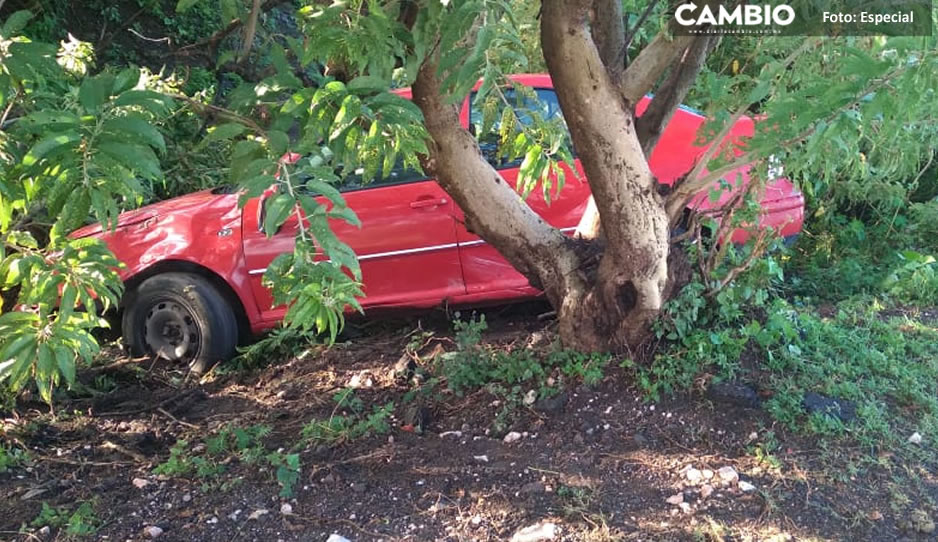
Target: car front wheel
(180, 317)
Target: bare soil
(600, 465)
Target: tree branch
(673, 91)
(249, 31)
(608, 31)
(644, 72)
(212, 41)
(630, 35)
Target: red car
(194, 263)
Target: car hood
(181, 204)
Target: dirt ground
(595, 464)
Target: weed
(288, 471)
(349, 421)
(81, 522)
(179, 462)
(12, 457)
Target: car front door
(406, 244)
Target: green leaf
(276, 210)
(66, 362)
(49, 145)
(367, 84)
(183, 5)
(15, 22)
(278, 141)
(153, 102)
(222, 132)
(94, 91)
(133, 126)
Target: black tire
(180, 317)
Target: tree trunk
(606, 290)
(628, 289)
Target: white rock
(481, 458)
(705, 491)
(693, 475)
(746, 486)
(685, 507)
(153, 531)
(476, 519)
(727, 474)
(707, 474)
(337, 538)
(677, 498)
(457, 434)
(536, 532)
(514, 436)
(187, 497)
(286, 509)
(140, 483)
(530, 397)
(258, 513)
(916, 438)
(45, 532)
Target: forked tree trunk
(607, 290)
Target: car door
(484, 269)
(406, 244)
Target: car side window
(547, 107)
(398, 175)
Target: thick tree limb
(673, 91)
(609, 33)
(493, 210)
(632, 273)
(642, 74)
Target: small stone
(286, 509)
(514, 436)
(481, 458)
(746, 487)
(457, 434)
(677, 498)
(875, 515)
(476, 519)
(140, 483)
(536, 533)
(152, 531)
(258, 513)
(915, 438)
(734, 393)
(727, 474)
(45, 532)
(685, 507)
(337, 538)
(530, 397)
(707, 474)
(705, 491)
(358, 487)
(329, 479)
(213, 520)
(693, 475)
(187, 497)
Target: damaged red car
(194, 263)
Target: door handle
(426, 203)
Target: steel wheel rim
(170, 332)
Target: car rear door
(486, 272)
(406, 244)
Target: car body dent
(202, 229)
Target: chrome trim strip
(407, 251)
(403, 252)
